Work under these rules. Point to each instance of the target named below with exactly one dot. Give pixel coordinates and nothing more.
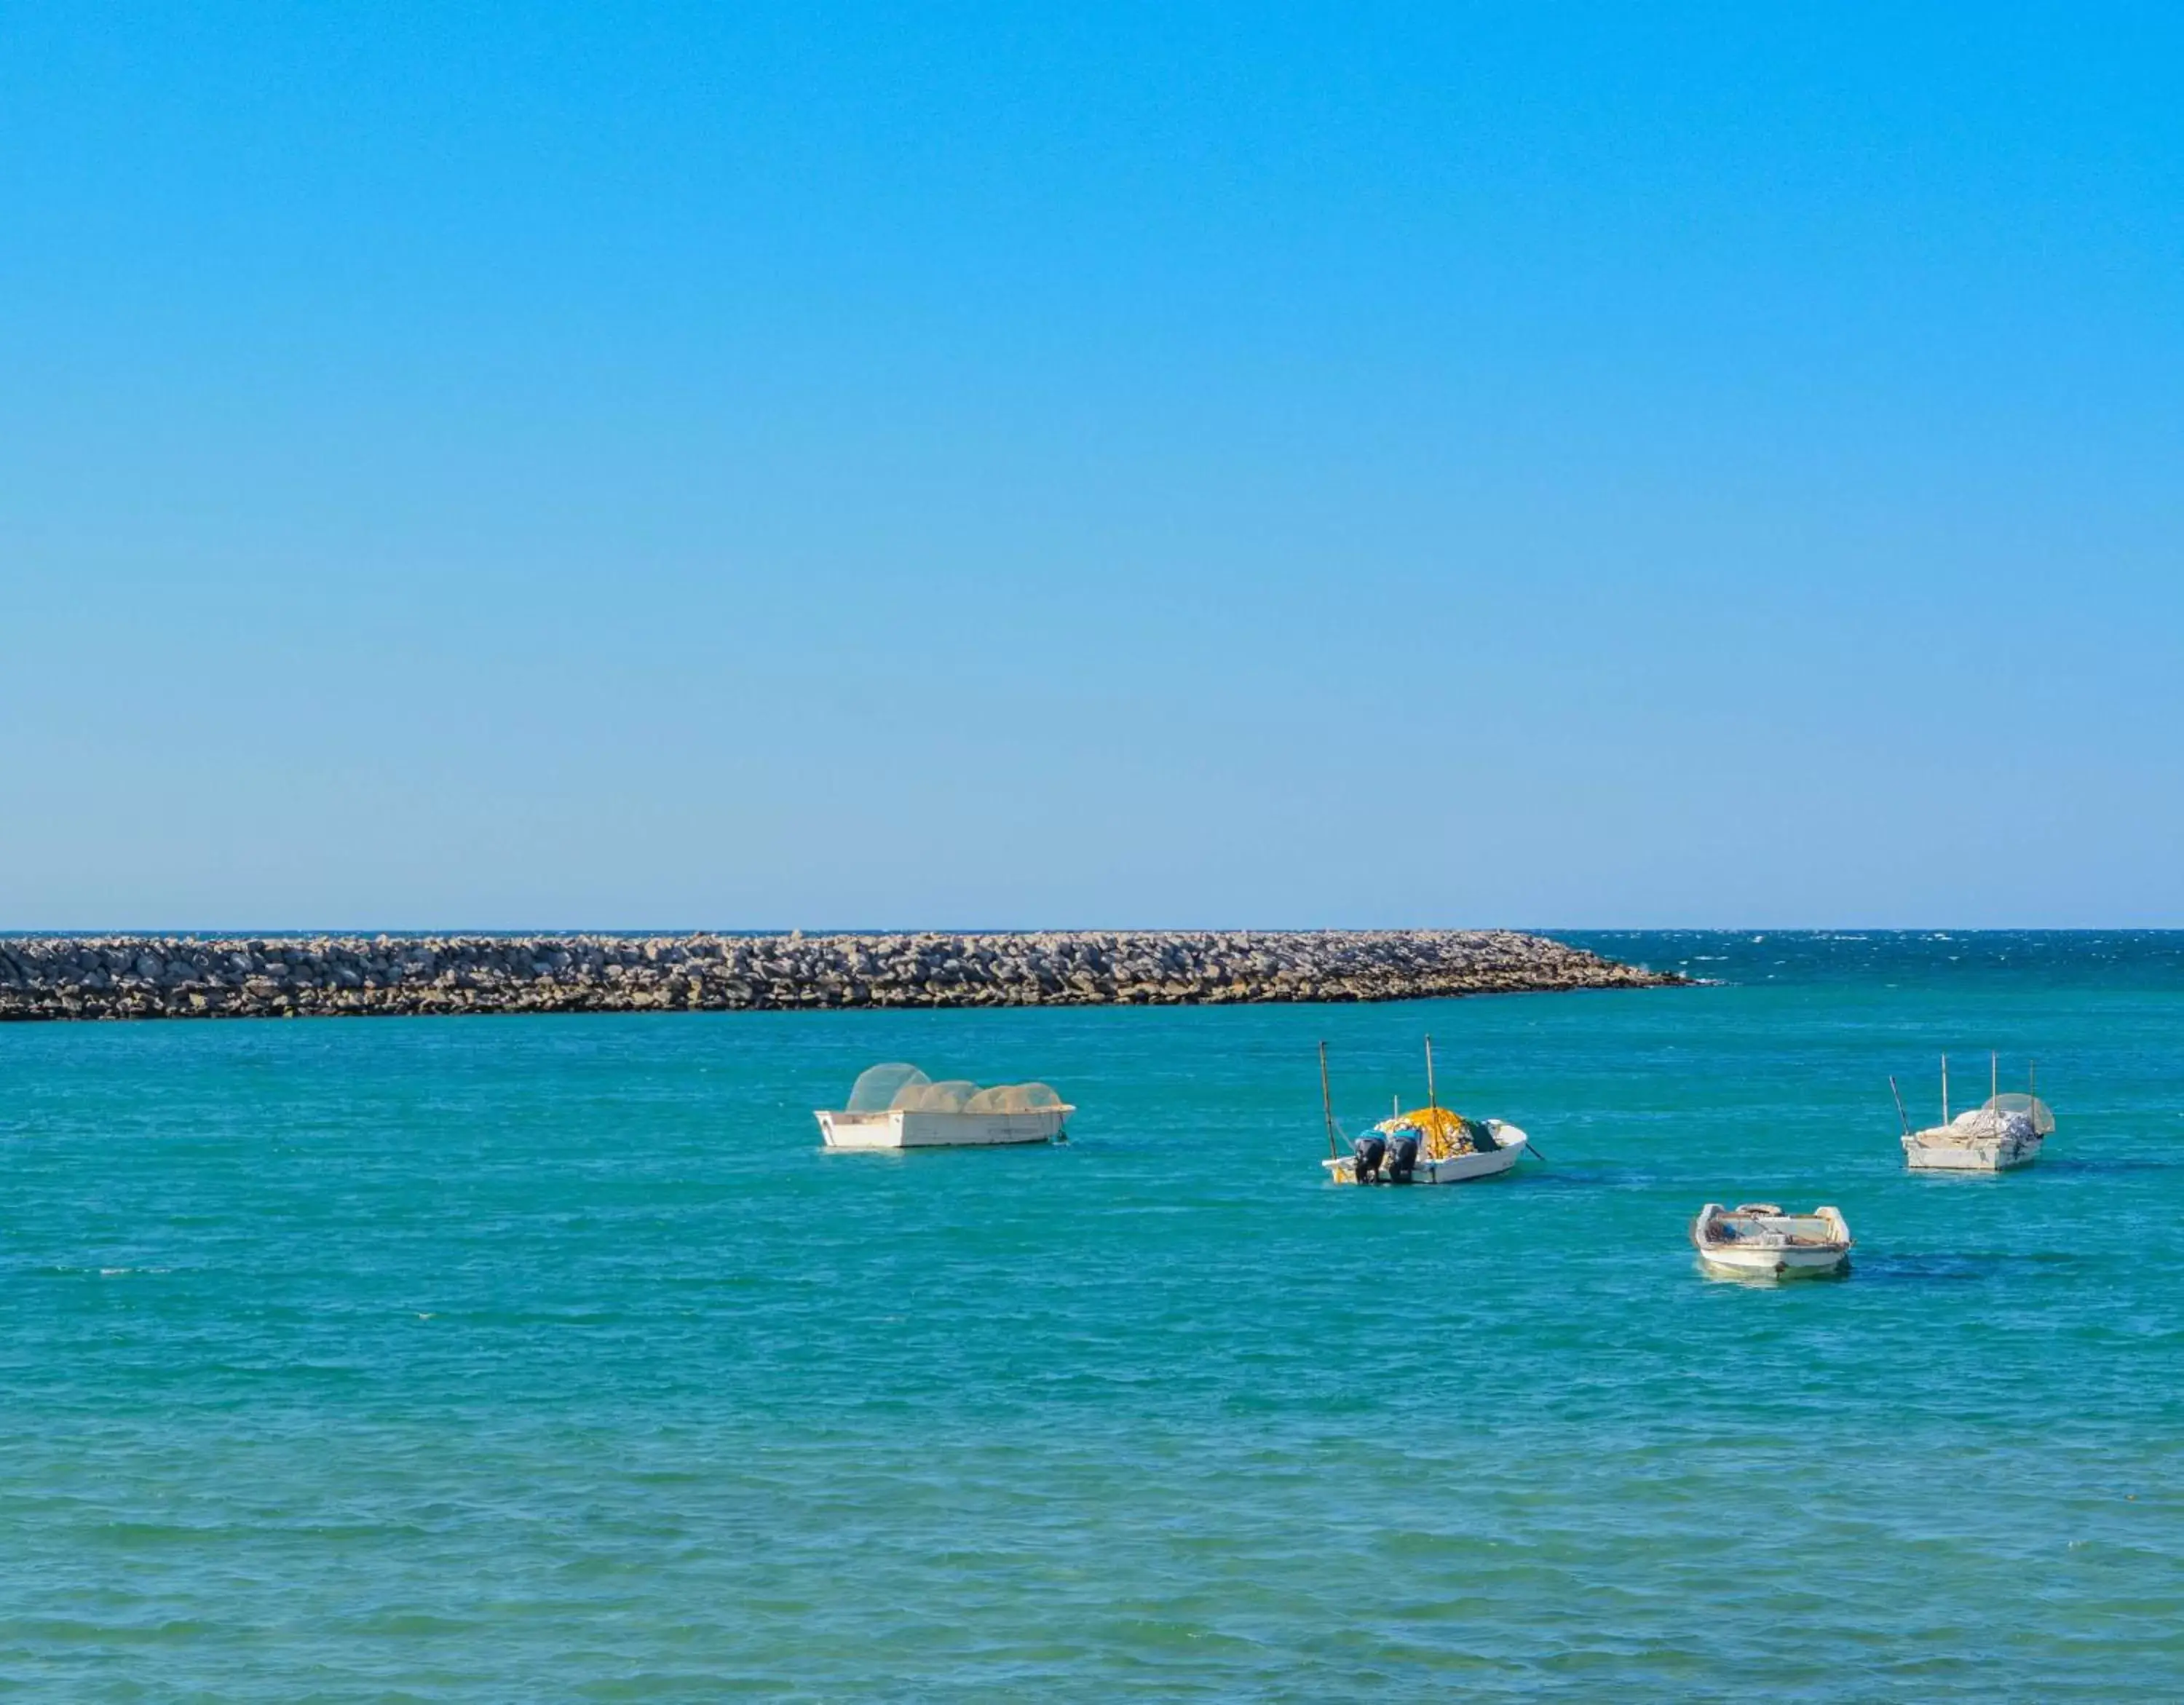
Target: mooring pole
(1327, 1106)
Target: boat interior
(1765, 1224)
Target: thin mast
(1432, 1101)
(1994, 1087)
(1945, 1088)
(1904, 1118)
(1327, 1104)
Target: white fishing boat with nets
(1757, 1240)
(2004, 1133)
(1432, 1144)
(898, 1106)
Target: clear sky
(763, 466)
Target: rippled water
(487, 1359)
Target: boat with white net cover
(1432, 1144)
(1757, 1240)
(898, 1106)
(2004, 1133)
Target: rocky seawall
(188, 976)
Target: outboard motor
(1370, 1152)
(1402, 1158)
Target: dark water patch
(1929, 1269)
(2088, 1166)
(1969, 1265)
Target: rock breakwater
(188, 976)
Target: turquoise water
(548, 1358)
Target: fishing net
(877, 1087)
(1441, 1133)
(1013, 1098)
(950, 1097)
(2032, 1106)
(900, 1088)
(1983, 1123)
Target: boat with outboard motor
(1432, 1144)
(2003, 1134)
(1757, 1240)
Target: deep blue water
(550, 1358)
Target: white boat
(1404, 1151)
(1432, 1144)
(898, 1106)
(1757, 1240)
(2005, 1133)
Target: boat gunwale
(885, 1115)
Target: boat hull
(900, 1129)
(1774, 1263)
(1992, 1154)
(1456, 1169)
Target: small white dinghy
(1432, 1144)
(1757, 1240)
(898, 1106)
(2005, 1134)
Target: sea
(551, 1357)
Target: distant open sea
(550, 1358)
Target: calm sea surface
(550, 1358)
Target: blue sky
(764, 466)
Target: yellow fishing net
(1441, 1132)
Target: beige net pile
(900, 1088)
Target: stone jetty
(218, 977)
